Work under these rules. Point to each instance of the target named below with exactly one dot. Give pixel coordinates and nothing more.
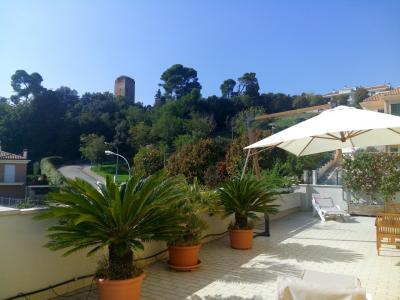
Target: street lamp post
(116, 165)
(108, 152)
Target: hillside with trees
(185, 131)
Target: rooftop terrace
(298, 242)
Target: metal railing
(22, 202)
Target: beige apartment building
(385, 102)
(13, 170)
(349, 90)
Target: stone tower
(125, 87)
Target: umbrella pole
(252, 139)
(245, 164)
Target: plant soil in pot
(241, 238)
(184, 258)
(127, 289)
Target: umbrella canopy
(337, 128)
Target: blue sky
(293, 46)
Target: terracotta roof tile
(379, 96)
(10, 156)
(375, 87)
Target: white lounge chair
(325, 207)
(318, 285)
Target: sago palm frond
(245, 197)
(122, 215)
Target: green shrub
(193, 160)
(216, 174)
(193, 202)
(184, 139)
(148, 160)
(277, 177)
(37, 179)
(48, 167)
(235, 156)
(372, 174)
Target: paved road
(74, 171)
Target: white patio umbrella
(337, 128)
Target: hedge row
(48, 167)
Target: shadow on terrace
(245, 271)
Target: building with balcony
(349, 90)
(13, 169)
(386, 102)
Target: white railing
(21, 202)
(322, 170)
(10, 201)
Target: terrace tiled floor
(298, 242)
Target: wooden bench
(387, 229)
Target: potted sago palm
(118, 218)
(184, 248)
(245, 198)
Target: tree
(46, 125)
(159, 99)
(301, 101)
(235, 156)
(25, 85)
(67, 96)
(240, 121)
(179, 81)
(92, 147)
(307, 99)
(140, 135)
(248, 85)
(276, 102)
(167, 127)
(192, 160)
(316, 99)
(52, 122)
(359, 95)
(340, 100)
(96, 113)
(227, 88)
(201, 126)
(148, 160)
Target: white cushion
(330, 279)
(297, 289)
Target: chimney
(25, 153)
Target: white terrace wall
(335, 191)
(25, 265)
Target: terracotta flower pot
(184, 258)
(128, 289)
(241, 238)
